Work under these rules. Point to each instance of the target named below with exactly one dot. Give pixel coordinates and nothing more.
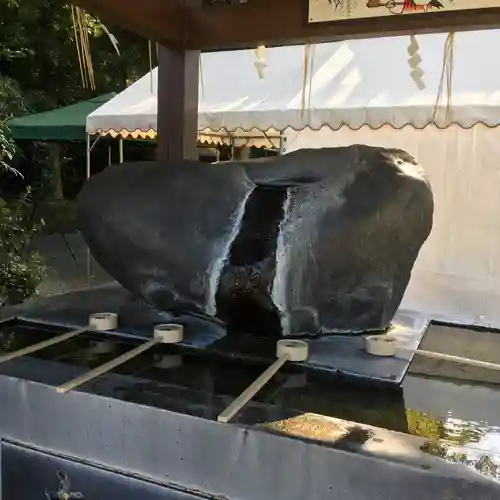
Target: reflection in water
(473, 444)
(180, 380)
(203, 386)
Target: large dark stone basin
(313, 242)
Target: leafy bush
(20, 270)
(7, 150)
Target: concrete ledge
(479, 344)
(218, 459)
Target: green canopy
(61, 124)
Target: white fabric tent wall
(457, 275)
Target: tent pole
(88, 156)
(282, 143)
(89, 265)
(109, 155)
(121, 150)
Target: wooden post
(178, 79)
(54, 150)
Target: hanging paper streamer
(446, 77)
(260, 64)
(202, 86)
(150, 50)
(311, 74)
(112, 38)
(309, 53)
(415, 60)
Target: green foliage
(7, 150)
(20, 270)
(10, 102)
(39, 70)
(11, 99)
(38, 56)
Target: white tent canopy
(132, 112)
(354, 83)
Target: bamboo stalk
(89, 54)
(86, 45)
(80, 61)
(82, 41)
(82, 48)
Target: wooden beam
(268, 22)
(178, 77)
(284, 22)
(158, 20)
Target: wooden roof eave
(268, 22)
(158, 20)
(285, 22)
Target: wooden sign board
(340, 10)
